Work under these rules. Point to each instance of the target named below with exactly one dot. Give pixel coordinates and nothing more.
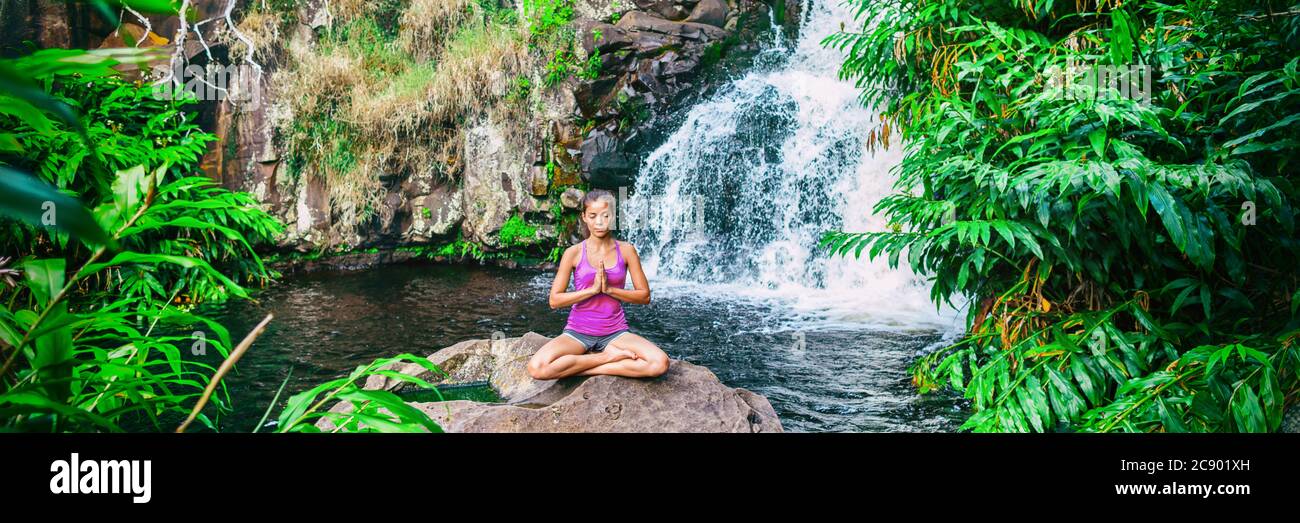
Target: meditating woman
(596, 339)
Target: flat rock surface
(687, 398)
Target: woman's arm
(558, 297)
(640, 293)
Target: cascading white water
(771, 161)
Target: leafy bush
(367, 410)
(548, 15)
(515, 231)
(94, 340)
(1130, 263)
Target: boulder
(603, 37)
(712, 12)
(687, 398)
(645, 22)
(598, 142)
(571, 198)
(433, 215)
(495, 184)
(612, 170)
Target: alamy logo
(1085, 81)
(658, 212)
(235, 83)
(94, 476)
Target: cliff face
(488, 178)
(471, 126)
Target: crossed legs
(628, 355)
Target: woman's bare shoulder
(571, 252)
(627, 248)
(568, 260)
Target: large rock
(638, 21)
(669, 9)
(612, 170)
(712, 12)
(571, 198)
(496, 184)
(433, 215)
(687, 398)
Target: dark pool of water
(326, 324)
(480, 391)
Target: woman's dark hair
(596, 195)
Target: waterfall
(764, 166)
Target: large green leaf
(53, 351)
(26, 198)
(45, 278)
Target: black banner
(312, 472)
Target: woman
(596, 339)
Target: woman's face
(599, 218)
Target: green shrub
(96, 338)
(1130, 265)
(516, 232)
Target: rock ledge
(687, 398)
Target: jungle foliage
(1128, 253)
(110, 236)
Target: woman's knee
(537, 367)
(658, 365)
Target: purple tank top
(601, 314)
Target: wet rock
(648, 61)
(606, 38)
(612, 170)
(668, 9)
(597, 143)
(433, 215)
(571, 198)
(495, 184)
(712, 12)
(647, 23)
(311, 214)
(647, 75)
(687, 398)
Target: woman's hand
(602, 281)
(559, 297)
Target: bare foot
(616, 354)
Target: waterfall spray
(769, 162)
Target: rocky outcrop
(496, 184)
(687, 398)
(651, 54)
(652, 58)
